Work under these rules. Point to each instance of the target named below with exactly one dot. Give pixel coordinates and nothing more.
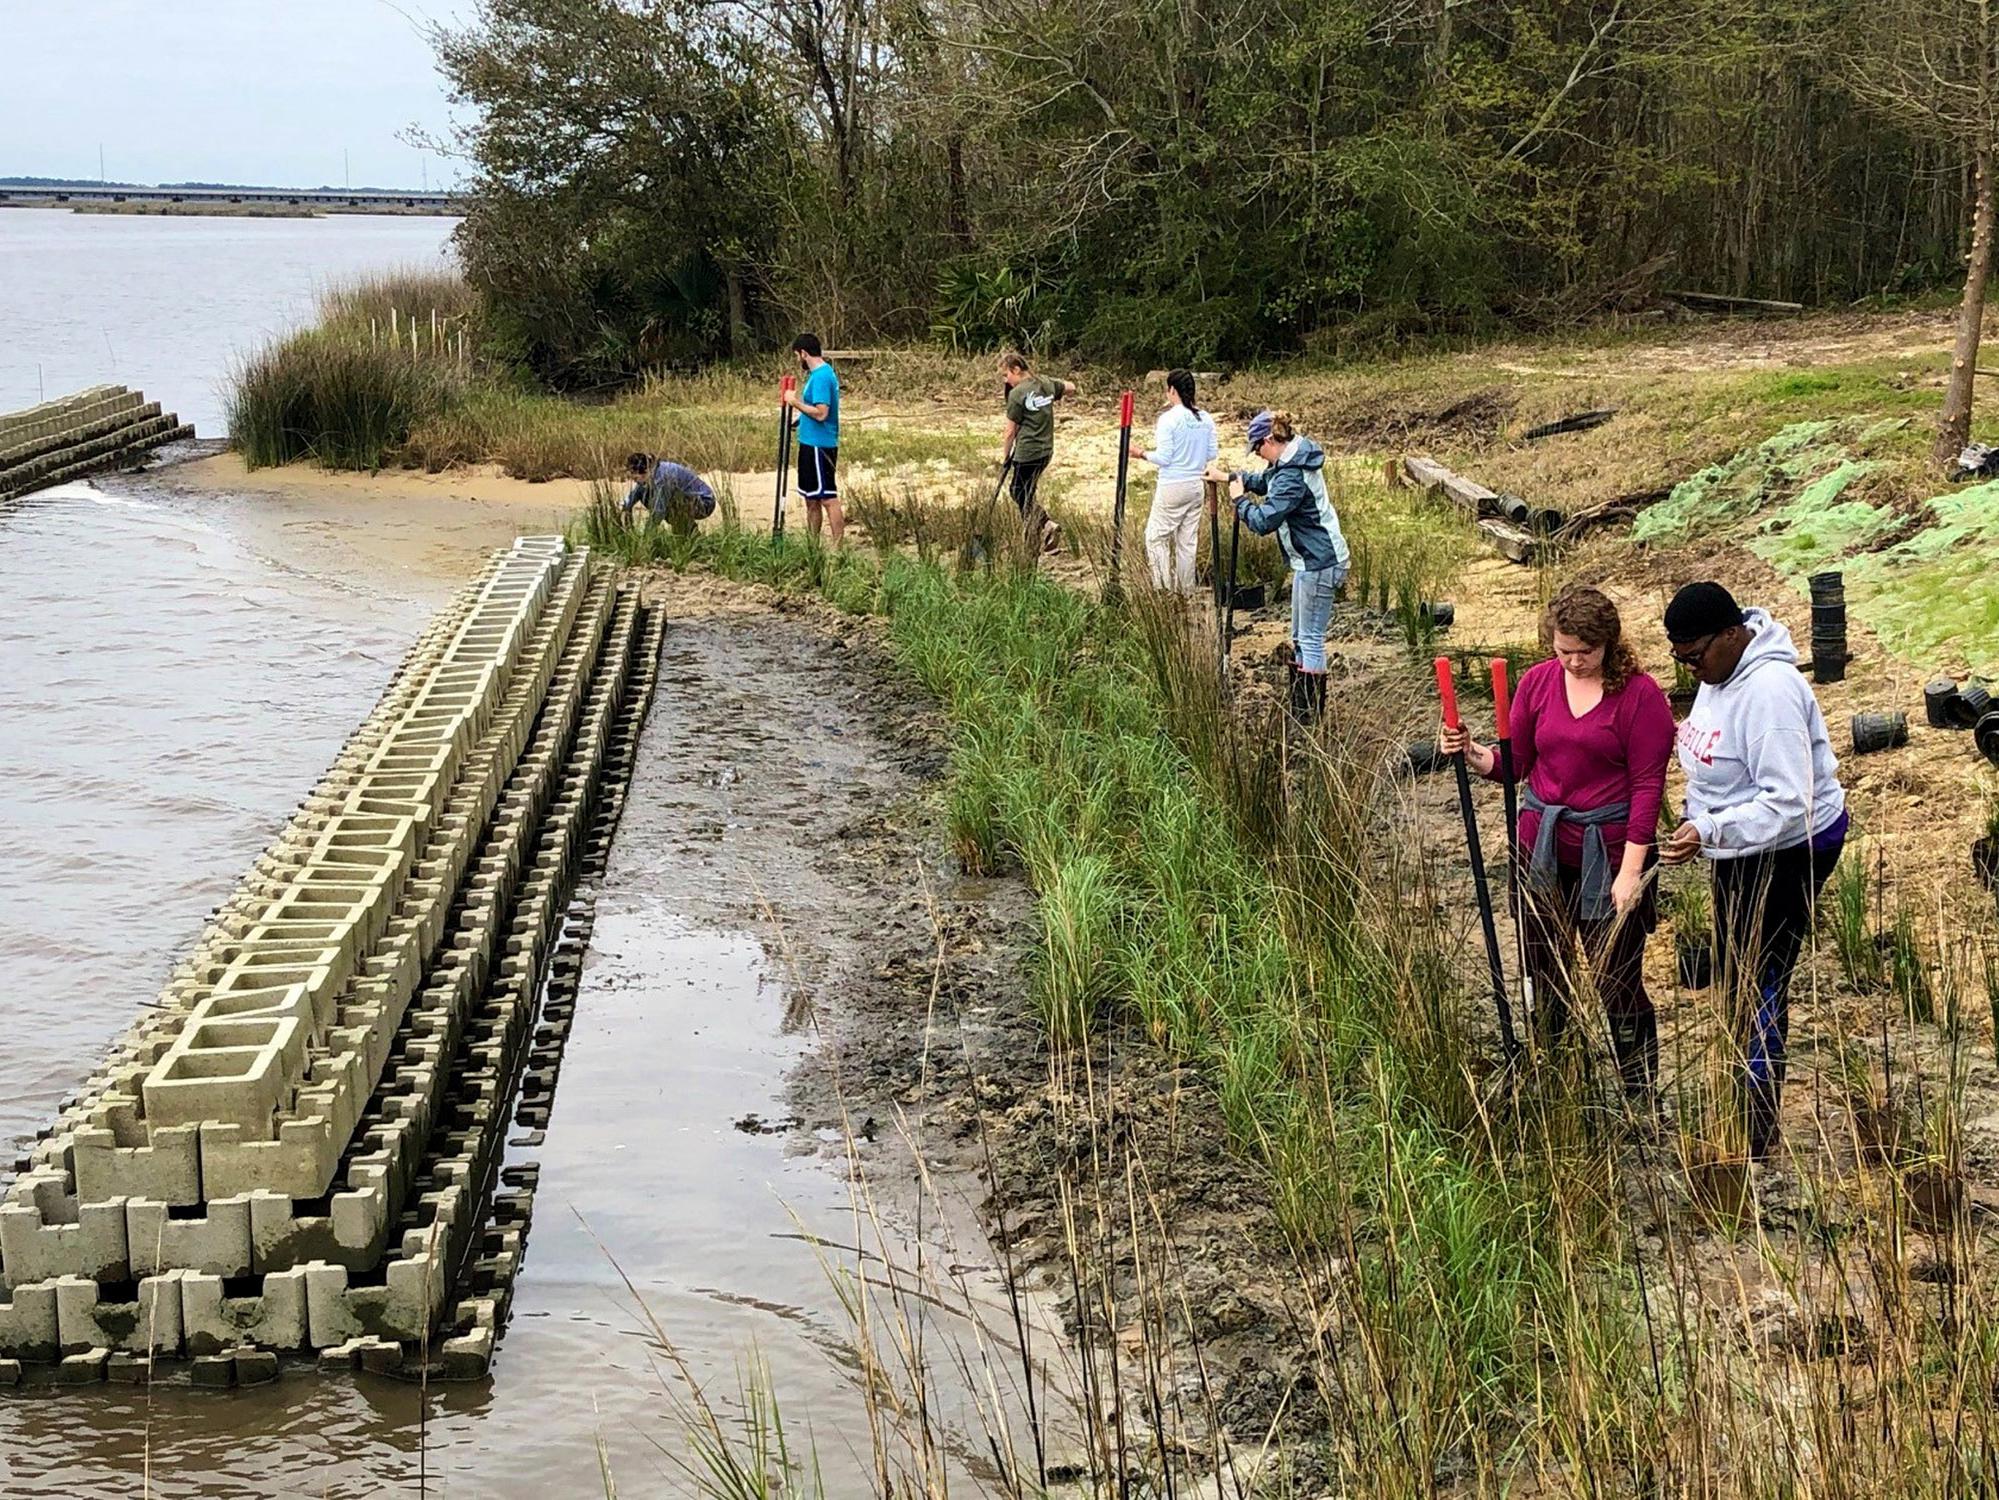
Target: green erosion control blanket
(1931, 597)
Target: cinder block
(215, 1372)
(128, 1369)
(217, 1242)
(10, 1372)
(86, 1367)
(274, 1317)
(255, 1366)
(29, 1326)
(167, 1169)
(149, 1323)
(37, 1244)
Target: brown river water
(179, 665)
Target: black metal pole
(1215, 491)
(1228, 611)
(1508, 1038)
(1123, 474)
(783, 457)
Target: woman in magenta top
(1591, 738)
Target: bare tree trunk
(739, 323)
(1954, 427)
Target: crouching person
(673, 492)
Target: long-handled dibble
(1228, 612)
(982, 538)
(1502, 715)
(1213, 497)
(1508, 1038)
(783, 456)
(1123, 474)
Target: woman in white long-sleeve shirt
(1183, 445)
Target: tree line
(1194, 180)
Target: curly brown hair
(1589, 616)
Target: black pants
(1763, 906)
(1554, 934)
(1026, 485)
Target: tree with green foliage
(1168, 180)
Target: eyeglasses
(1690, 655)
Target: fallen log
(1513, 543)
(1719, 303)
(1468, 494)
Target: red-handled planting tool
(783, 456)
(1508, 1038)
(1123, 474)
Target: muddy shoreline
(930, 1061)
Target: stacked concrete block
(294, 1147)
(103, 427)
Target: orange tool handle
(1124, 412)
(1448, 691)
(1502, 699)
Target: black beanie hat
(1701, 609)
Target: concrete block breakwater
(100, 428)
(298, 1146)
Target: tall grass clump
(336, 400)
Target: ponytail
(1182, 383)
(1283, 426)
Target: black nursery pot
(1696, 958)
(1251, 596)
(1987, 737)
(1872, 732)
(1940, 704)
(1972, 704)
(1439, 616)
(1425, 759)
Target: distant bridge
(302, 197)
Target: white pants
(1175, 523)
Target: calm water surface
(168, 305)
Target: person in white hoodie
(1765, 808)
(1183, 445)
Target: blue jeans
(1312, 597)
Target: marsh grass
(1501, 1287)
(336, 400)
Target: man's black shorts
(815, 473)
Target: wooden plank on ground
(1514, 544)
(1468, 494)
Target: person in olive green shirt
(1030, 438)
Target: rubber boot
(1295, 702)
(1314, 690)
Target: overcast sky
(259, 91)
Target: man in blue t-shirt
(817, 402)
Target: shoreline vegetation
(1484, 1288)
(1490, 1286)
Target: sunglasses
(1690, 654)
